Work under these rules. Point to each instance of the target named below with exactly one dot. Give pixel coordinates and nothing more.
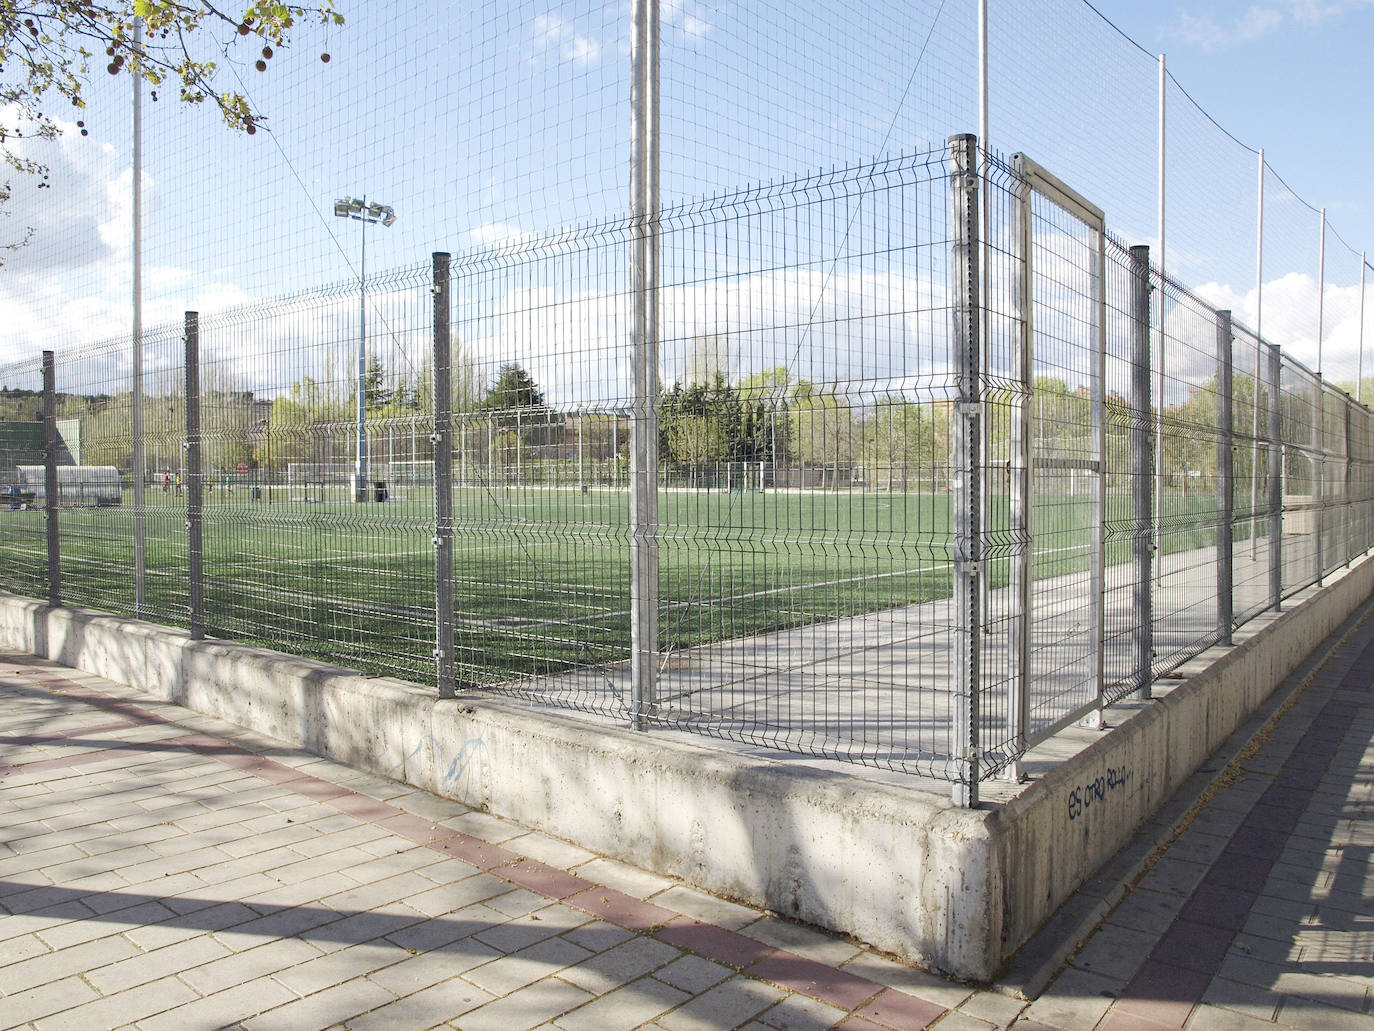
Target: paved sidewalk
(160, 869)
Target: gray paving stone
(322, 1009)
(149, 966)
(123, 1008)
(804, 941)
(434, 1005)
(706, 908)
(1239, 997)
(335, 968)
(625, 1008)
(529, 1007)
(1310, 1015)
(958, 1020)
(914, 981)
(993, 1007)
(1076, 1000)
(598, 936)
(620, 965)
(222, 1008)
(248, 966)
(798, 1013)
(65, 935)
(428, 968)
(726, 1005)
(1115, 952)
(21, 1007)
(693, 974)
(509, 972)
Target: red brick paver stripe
(416, 828)
(362, 807)
(888, 1008)
(543, 879)
(473, 851)
(898, 1010)
(712, 942)
(837, 987)
(859, 1024)
(620, 909)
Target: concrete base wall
(893, 865)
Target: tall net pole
(136, 394)
(644, 200)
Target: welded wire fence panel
(1251, 399)
(541, 510)
(166, 597)
(1358, 522)
(95, 392)
(1005, 472)
(1129, 423)
(1188, 508)
(311, 543)
(1300, 412)
(23, 535)
(805, 595)
(1334, 470)
(1064, 462)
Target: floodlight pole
(364, 213)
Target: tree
(765, 396)
(519, 411)
(374, 384)
(515, 399)
(49, 48)
(703, 424)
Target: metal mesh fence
(1098, 469)
(921, 490)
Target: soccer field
(542, 575)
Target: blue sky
(1291, 77)
(494, 122)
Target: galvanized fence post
(442, 440)
(50, 477)
(1318, 480)
(1225, 478)
(1098, 562)
(644, 268)
(1021, 484)
(194, 487)
(967, 460)
(1275, 479)
(1142, 480)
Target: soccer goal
(410, 476)
(319, 481)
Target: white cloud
(72, 283)
(1290, 320)
(688, 17)
(1207, 32)
(498, 234)
(554, 35)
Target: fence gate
(1056, 457)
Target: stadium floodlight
(362, 211)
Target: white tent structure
(78, 486)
